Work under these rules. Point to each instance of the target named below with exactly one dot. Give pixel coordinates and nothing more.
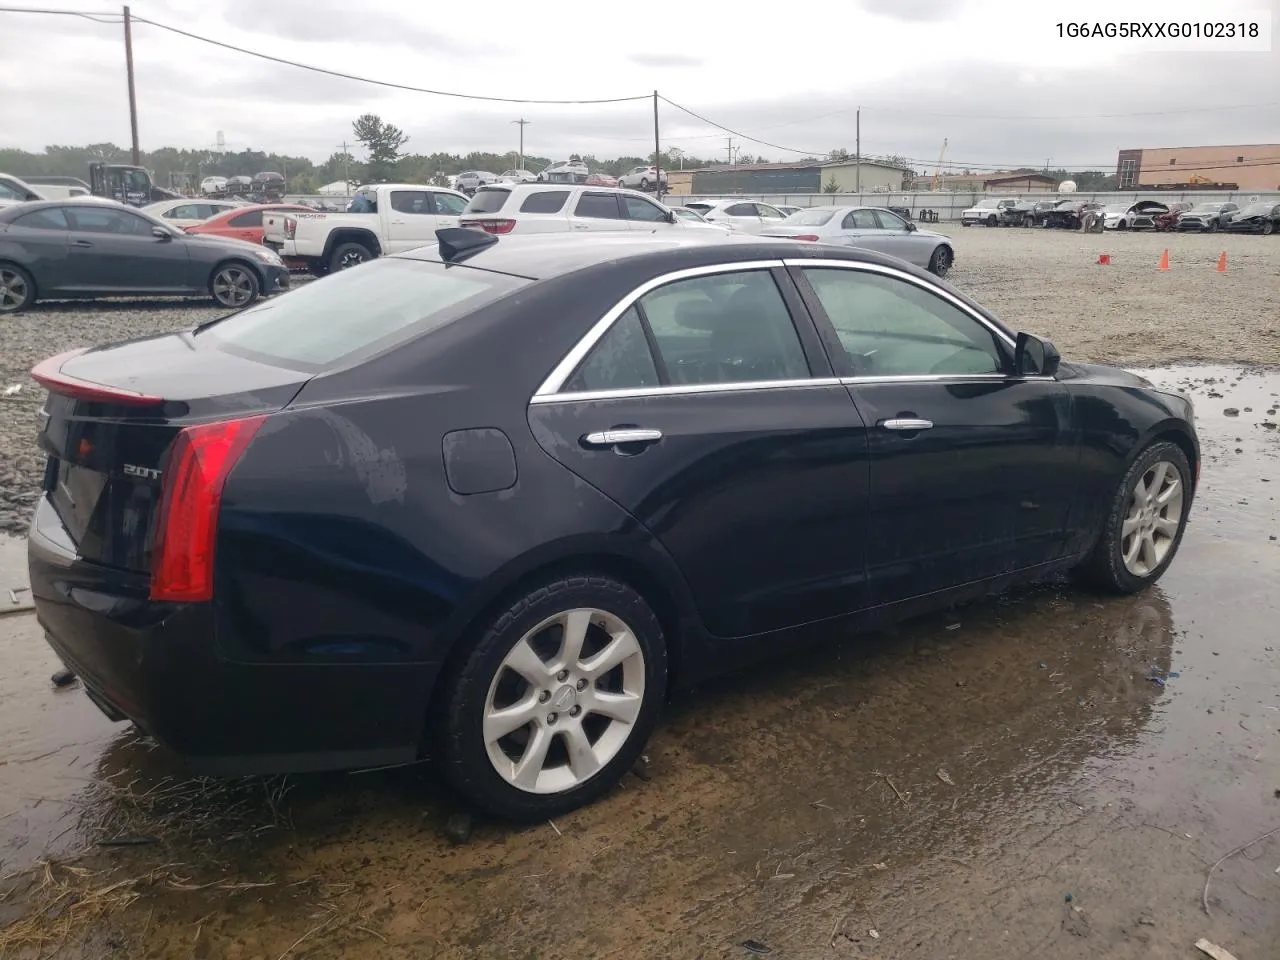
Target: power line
(382, 83)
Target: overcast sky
(990, 76)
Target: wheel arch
(1171, 431)
(366, 238)
(642, 565)
(240, 262)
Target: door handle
(906, 424)
(611, 438)
(82, 243)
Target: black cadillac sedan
(489, 500)
(88, 247)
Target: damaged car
(1261, 218)
(1139, 215)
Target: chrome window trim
(858, 265)
(944, 378)
(565, 368)
(685, 389)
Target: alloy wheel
(13, 290)
(1151, 524)
(564, 701)
(233, 287)
(351, 258)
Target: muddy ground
(1049, 774)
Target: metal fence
(949, 206)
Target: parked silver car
(872, 228)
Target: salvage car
(1139, 215)
(491, 499)
(1207, 217)
(1256, 218)
(1068, 214)
(872, 228)
(985, 211)
(92, 247)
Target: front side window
(770, 213)
(890, 221)
(640, 209)
(107, 220)
(448, 205)
(723, 328)
(891, 328)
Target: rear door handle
(906, 424)
(82, 243)
(611, 438)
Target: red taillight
(493, 226)
(290, 227)
(199, 463)
(49, 375)
(806, 236)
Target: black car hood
(1100, 373)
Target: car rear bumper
(157, 665)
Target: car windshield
(700, 207)
(810, 218)
(384, 303)
(1206, 208)
(986, 205)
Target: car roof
(542, 257)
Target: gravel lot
(1045, 281)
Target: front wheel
(991, 221)
(555, 702)
(1144, 526)
(234, 285)
(941, 261)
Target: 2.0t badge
(147, 473)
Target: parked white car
(695, 219)
(14, 190)
(211, 186)
(1138, 215)
(871, 228)
(746, 216)
(518, 176)
(642, 178)
(986, 211)
(565, 208)
(389, 218)
(187, 213)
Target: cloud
(337, 21)
(665, 60)
(914, 11)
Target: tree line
(386, 158)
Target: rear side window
(356, 312)
(251, 219)
(742, 210)
(545, 201)
(621, 360)
(598, 206)
(488, 201)
(51, 218)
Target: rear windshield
(360, 311)
(810, 218)
(487, 201)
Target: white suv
(564, 208)
(642, 178)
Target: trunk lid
(111, 417)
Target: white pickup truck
(401, 217)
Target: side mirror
(1034, 357)
(160, 233)
(670, 217)
(911, 227)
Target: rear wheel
(1144, 527)
(234, 285)
(1268, 228)
(349, 255)
(1213, 226)
(17, 289)
(941, 261)
(991, 221)
(644, 183)
(555, 702)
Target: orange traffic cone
(1222, 262)
(1164, 259)
(1104, 260)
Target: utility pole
(657, 152)
(729, 148)
(857, 150)
(346, 164)
(133, 96)
(523, 122)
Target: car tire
(1119, 562)
(1213, 227)
(17, 289)
(234, 285)
(941, 261)
(348, 255)
(964, 223)
(317, 268)
(1268, 228)
(991, 221)
(484, 765)
(644, 183)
